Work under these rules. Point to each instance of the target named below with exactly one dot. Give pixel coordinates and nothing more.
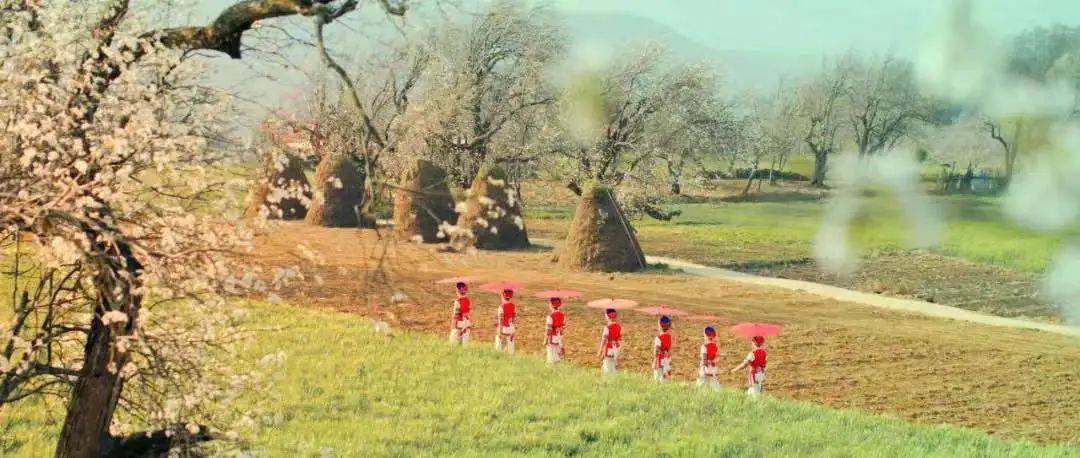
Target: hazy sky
(784, 29)
(812, 26)
(817, 26)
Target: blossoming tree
(118, 277)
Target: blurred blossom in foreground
(895, 171)
(961, 65)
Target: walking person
(504, 325)
(662, 345)
(460, 323)
(553, 336)
(609, 343)
(707, 373)
(755, 362)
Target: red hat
(508, 294)
(555, 302)
(611, 313)
(758, 340)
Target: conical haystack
(491, 218)
(600, 236)
(283, 192)
(423, 203)
(339, 191)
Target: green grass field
(346, 389)
(745, 233)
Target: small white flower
(114, 316)
(381, 327)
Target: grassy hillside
(345, 388)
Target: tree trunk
(97, 390)
(1010, 164)
(750, 180)
(365, 217)
(820, 166)
(93, 400)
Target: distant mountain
(742, 69)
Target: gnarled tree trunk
(97, 389)
(820, 167)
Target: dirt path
(856, 297)
(1007, 381)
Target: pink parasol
(749, 330)
(500, 286)
(455, 280)
(662, 310)
(559, 293)
(617, 304)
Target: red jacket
(708, 352)
(663, 346)
(757, 360)
(555, 321)
(462, 309)
(613, 332)
(506, 315)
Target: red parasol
(617, 304)
(662, 310)
(500, 286)
(455, 280)
(559, 293)
(749, 330)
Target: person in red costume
(459, 316)
(662, 350)
(504, 327)
(556, 323)
(609, 343)
(707, 375)
(755, 362)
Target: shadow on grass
(661, 269)
(789, 196)
(779, 196)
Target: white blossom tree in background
(689, 135)
(619, 123)
(487, 76)
(821, 114)
(369, 119)
(883, 103)
(118, 276)
(783, 138)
